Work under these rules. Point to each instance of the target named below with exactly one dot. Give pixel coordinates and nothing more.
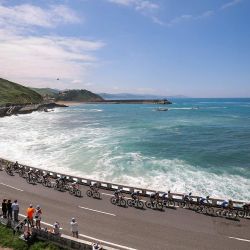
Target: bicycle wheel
(48, 184)
(113, 200)
(140, 204)
(171, 203)
(159, 205)
(97, 195)
(122, 203)
(71, 191)
(200, 209)
(182, 204)
(148, 204)
(232, 214)
(210, 211)
(78, 193)
(241, 213)
(219, 212)
(89, 193)
(130, 202)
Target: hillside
(46, 91)
(81, 95)
(14, 93)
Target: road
(128, 228)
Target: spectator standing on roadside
(4, 208)
(74, 227)
(9, 209)
(30, 213)
(15, 209)
(38, 217)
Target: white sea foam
(59, 141)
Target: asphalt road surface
(127, 228)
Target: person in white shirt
(74, 227)
(15, 209)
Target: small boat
(161, 109)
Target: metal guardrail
(114, 186)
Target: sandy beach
(69, 103)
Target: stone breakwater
(15, 109)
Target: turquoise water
(198, 145)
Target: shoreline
(68, 103)
(16, 109)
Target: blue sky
(197, 48)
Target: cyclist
(94, 187)
(224, 204)
(135, 195)
(16, 165)
(118, 194)
(246, 207)
(170, 196)
(30, 172)
(74, 185)
(204, 201)
(152, 197)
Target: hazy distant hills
(128, 96)
(14, 93)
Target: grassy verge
(7, 239)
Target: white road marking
(239, 239)
(97, 211)
(106, 242)
(11, 187)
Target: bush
(7, 239)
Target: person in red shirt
(30, 213)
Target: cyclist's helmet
(190, 194)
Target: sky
(196, 48)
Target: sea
(198, 145)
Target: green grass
(7, 239)
(14, 93)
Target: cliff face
(14, 93)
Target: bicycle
(31, 179)
(187, 203)
(154, 204)
(75, 191)
(205, 209)
(9, 170)
(227, 213)
(135, 203)
(118, 201)
(46, 182)
(93, 193)
(167, 202)
(244, 211)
